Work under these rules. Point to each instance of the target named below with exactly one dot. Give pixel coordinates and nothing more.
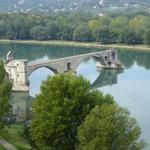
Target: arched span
(87, 69)
(77, 63)
(50, 68)
(36, 79)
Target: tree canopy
(68, 115)
(109, 127)
(121, 27)
(64, 102)
(5, 90)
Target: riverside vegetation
(124, 27)
(5, 90)
(68, 116)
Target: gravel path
(7, 145)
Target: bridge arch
(44, 66)
(36, 78)
(87, 68)
(76, 63)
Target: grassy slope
(14, 135)
(2, 148)
(82, 44)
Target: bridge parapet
(57, 66)
(60, 65)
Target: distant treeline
(112, 28)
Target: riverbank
(77, 44)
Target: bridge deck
(65, 58)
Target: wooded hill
(130, 28)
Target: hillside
(68, 5)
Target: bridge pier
(16, 70)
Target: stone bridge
(19, 70)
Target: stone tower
(16, 70)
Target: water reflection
(21, 106)
(129, 58)
(106, 77)
(87, 68)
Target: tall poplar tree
(5, 90)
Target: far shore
(77, 44)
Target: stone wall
(16, 70)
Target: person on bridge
(9, 56)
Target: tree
(92, 24)
(22, 25)
(5, 90)
(64, 102)
(66, 32)
(2, 29)
(104, 21)
(147, 37)
(82, 33)
(11, 34)
(138, 25)
(53, 30)
(118, 26)
(39, 33)
(103, 35)
(109, 127)
(130, 37)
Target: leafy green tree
(39, 33)
(5, 90)
(138, 25)
(64, 102)
(130, 37)
(147, 37)
(109, 127)
(92, 24)
(103, 35)
(66, 32)
(104, 21)
(10, 33)
(118, 27)
(82, 33)
(22, 25)
(2, 29)
(19, 27)
(114, 27)
(118, 24)
(53, 30)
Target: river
(130, 87)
